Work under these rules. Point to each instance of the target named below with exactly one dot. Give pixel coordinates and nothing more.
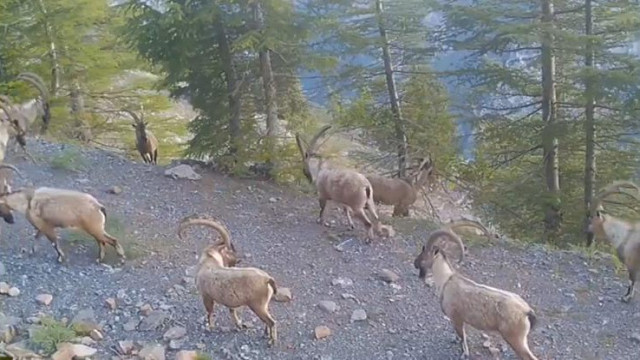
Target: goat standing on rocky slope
(345, 186)
(217, 280)
(400, 192)
(26, 113)
(622, 234)
(465, 301)
(146, 142)
(50, 208)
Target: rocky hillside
(363, 301)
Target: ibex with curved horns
(347, 187)
(465, 301)
(146, 142)
(622, 234)
(25, 114)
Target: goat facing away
(465, 301)
(218, 280)
(346, 187)
(49, 208)
(624, 235)
(146, 142)
(401, 192)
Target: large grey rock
(182, 172)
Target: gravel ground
(576, 298)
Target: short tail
(532, 319)
(367, 191)
(104, 212)
(272, 283)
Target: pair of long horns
(312, 146)
(447, 231)
(615, 187)
(35, 80)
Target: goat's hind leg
(360, 214)
(270, 329)
(459, 327)
(520, 346)
(347, 211)
(631, 289)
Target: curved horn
(467, 222)
(613, 188)
(300, 147)
(217, 226)
(132, 114)
(450, 235)
(314, 140)
(35, 80)
(9, 166)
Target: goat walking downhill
(218, 280)
(49, 208)
(347, 187)
(622, 234)
(465, 301)
(146, 142)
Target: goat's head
(42, 102)
(424, 260)
(5, 188)
(12, 119)
(596, 215)
(225, 250)
(138, 124)
(311, 159)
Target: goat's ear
(436, 250)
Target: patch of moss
(50, 333)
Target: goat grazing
(400, 192)
(146, 142)
(218, 281)
(26, 113)
(622, 234)
(465, 301)
(50, 208)
(347, 187)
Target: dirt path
(580, 316)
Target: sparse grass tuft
(69, 159)
(202, 356)
(50, 333)
(116, 227)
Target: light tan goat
(218, 281)
(146, 142)
(400, 192)
(50, 208)
(622, 234)
(465, 301)
(347, 187)
(9, 126)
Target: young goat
(400, 192)
(50, 208)
(218, 281)
(622, 234)
(345, 186)
(146, 142)
(465, 301)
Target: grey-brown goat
(5, 187)
(400, 192)
(465, 301)
(622, 234)
(347, 187)
(50, 208)
(146, 142)
(233, 287)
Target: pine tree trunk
(268, 83)
(401, 134)
(53, 51)
(589, 124)
(82, 130)
(233, 93)
(553, 217)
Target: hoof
(626, 299)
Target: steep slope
(580, 316)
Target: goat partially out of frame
(347, 187)
(146, 142)
(624, 235)
(400, 192)
(25, 114)
(217, 280)
(50, 208)
(5, 212)
(465, 301)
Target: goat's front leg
(631, 289)
(459, 327)
(323, 205)
(208, 305)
